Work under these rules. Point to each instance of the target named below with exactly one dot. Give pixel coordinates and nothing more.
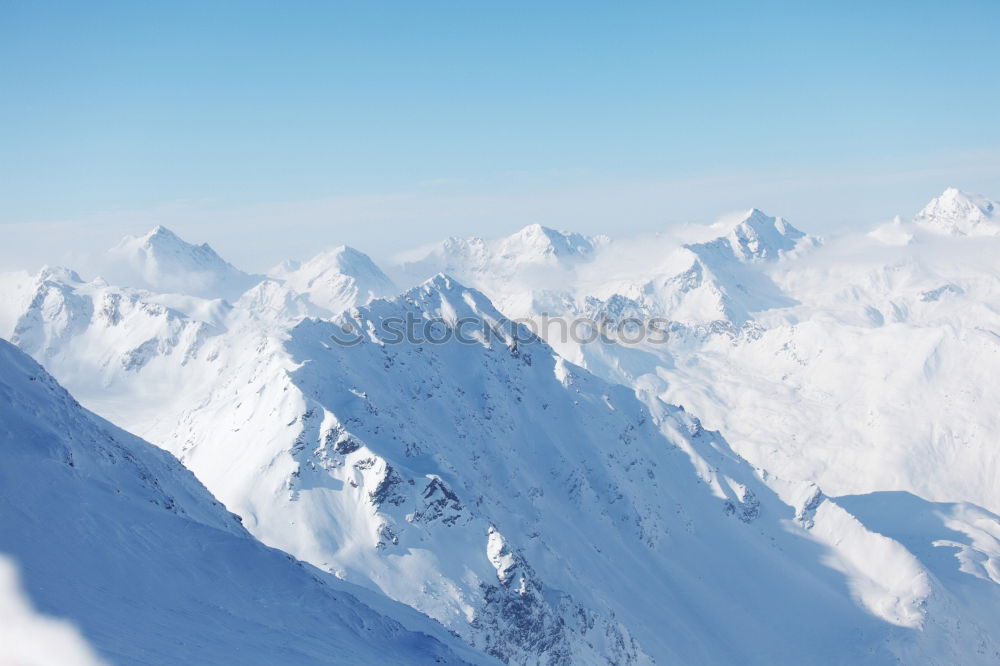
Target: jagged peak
(160, 231)
(460, 297)
(341, 256)
(335, 262)
(955, 198)
(756, 214)
(760, 222)
(342, 259)
(538, 239)
(163, 262)
(337, 279)
(440, 282)
(957, 195)
(59, 274)
(440, 299)
(539, 231)
(162, 238)
(542, 233)
(960, 213)
(752, 236)
(158, 236)
(463, 242)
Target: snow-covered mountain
(115, 536)
(97, 334)
(959, 213)
(163, 262)
(543, 499)
(859, 386)
(829, 364)
(336, 280)
(559, 273)
(445, 476)
(755, 237)
(516, 257)
(709, 282)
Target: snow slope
(115, 536)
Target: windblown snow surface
(130, 560)
(803, 472)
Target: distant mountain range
(804, 471)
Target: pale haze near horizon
(271, 133)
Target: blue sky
(382, 124)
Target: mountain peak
(538, 232)
(59, 274)
(432, 294)
(339, 278)
(959, 213)
(344, 255)
(535, 242)
(161, 238)
(760, 236)
(160, 231)
(441, 282)
(162, 261)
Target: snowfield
(805, 471)
(143, 566)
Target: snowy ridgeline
(542, 500)
(125, 557)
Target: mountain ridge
(165, 573)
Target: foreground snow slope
(117, 537)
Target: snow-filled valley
(803, 469)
